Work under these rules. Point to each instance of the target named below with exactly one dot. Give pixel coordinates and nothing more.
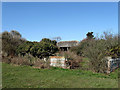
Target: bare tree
(97, 49)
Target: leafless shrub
(28, 59)
(6, 59)
(73, 60)
(96, 51)
(20, 61)
(41, 64)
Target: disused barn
(65, 45)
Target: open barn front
(66, 45)
(64, 48)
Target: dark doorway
(64, 48)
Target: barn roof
(67, 43)
(56, 57)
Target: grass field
(28, 77)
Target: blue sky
(69, 20)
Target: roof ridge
(69, 41)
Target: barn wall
(57, 61)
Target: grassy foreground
(28, 77)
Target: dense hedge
(45, 47)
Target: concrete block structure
(112, 64)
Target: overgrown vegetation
(73, 60)
(79, 49)
(13, 44)
(19, 51)
(28, 60)
(88, 59)
(97, 48)
(10, 42)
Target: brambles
(28, 60)
(73, 60)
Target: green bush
(44, 48)
(114, 51)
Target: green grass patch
(28, 77)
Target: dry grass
(27, 60)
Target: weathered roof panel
(67, 43)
